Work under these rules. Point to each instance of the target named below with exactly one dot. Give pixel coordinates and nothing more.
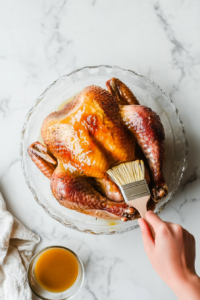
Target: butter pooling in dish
(97, 130)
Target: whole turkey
(97, 130)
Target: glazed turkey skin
(90, 133)
(97, 130)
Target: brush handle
(141, 205)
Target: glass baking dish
(149, 94)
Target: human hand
(172, 255)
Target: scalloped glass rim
(153, 94)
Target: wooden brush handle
(141, 205)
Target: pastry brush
(130, 177)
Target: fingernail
(149, 212)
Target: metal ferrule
(135, 190)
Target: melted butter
(40, 139)
(112, 223)
(56, 270)
(65, 102)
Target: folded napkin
(17, 244)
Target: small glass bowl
(39, 291)
(148, 94)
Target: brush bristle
(127, 172)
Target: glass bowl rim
(58, 218)
(52, 247)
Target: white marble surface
(42, 40)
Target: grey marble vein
(4, 107)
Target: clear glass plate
(149, 94)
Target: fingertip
(152, 217)
(150, 213)
(154, 220)
(141, 222)
(143, 226)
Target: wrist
(187, 287)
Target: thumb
(146, 236)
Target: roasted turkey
(97, 130)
